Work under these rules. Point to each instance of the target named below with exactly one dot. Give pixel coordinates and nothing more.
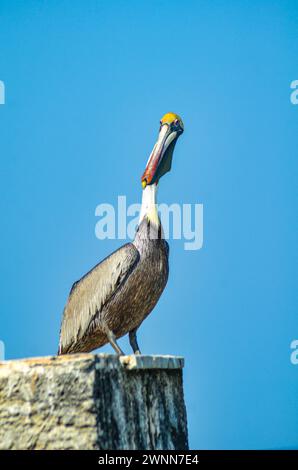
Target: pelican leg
(112, 340)
(133, 341)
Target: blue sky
(86, 84)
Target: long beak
(165, 137)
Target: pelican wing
(92, 291)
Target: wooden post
(87, 401)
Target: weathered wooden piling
(87, 401)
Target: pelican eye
(176, 123)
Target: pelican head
(160, 160)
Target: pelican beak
(151, 171)
(160, 159)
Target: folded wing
(88, 295)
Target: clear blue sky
(86, 85)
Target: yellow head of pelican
(160, 160)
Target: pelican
(116, 296)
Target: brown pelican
(117, 294)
